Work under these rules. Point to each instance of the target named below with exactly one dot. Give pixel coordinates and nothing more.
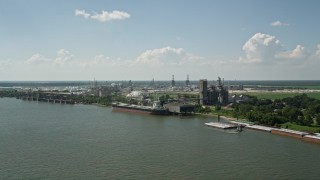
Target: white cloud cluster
(100, 59)
(297, 53)
(266, 48)
(278, 23)
(155, 54)
(82, 13)
(104, 16)
(270, 58)
(63, 56)
(97, 61)
(37, 59)
(260, 47)
(166, 55)
(114, 15)
(317, 53)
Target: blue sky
(141, 40)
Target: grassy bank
(310, 129)
(227, 113)
(230, 115)
(278, 95)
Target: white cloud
(165, 53)
(5, 63)
(167, 56)
(264, 48)
(37, 59)
(82, 13)
(63, 56)
(114, 15)
(260, 47)
(278, 23)
(162, 62)
(104, 16)
(98, 60)
(317, 53)
(297, 53)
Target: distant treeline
(42, 83)
(83, 99)
(278, 83)
(10, 93)
(281, 83)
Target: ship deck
(122, 105)
(221, 125)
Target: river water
(53, 141)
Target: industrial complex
(175, 97)
(157, 98)
(214, 94)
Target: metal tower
(187, 81)
(173, 83)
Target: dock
(255, 127)
(311, 137)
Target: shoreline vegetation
(279, 95)
(299, 113)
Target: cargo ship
(156, 109)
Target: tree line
(301, 109)
(83, 99)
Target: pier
(51, 97)
(255, 127)
(315, 138)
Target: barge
(156, 109)
(312, 138)
(288, 132)
(221, 125)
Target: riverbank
(280, 131)
(306, 136)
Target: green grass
(278, 95)
(308, 87)
(294, 87)
(222, 112)
(225, 112)
(312, 129)
(314, 95)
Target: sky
(49, 40)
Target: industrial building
(203, 87)
(215, 94)
(179, 108)
(238, 98)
